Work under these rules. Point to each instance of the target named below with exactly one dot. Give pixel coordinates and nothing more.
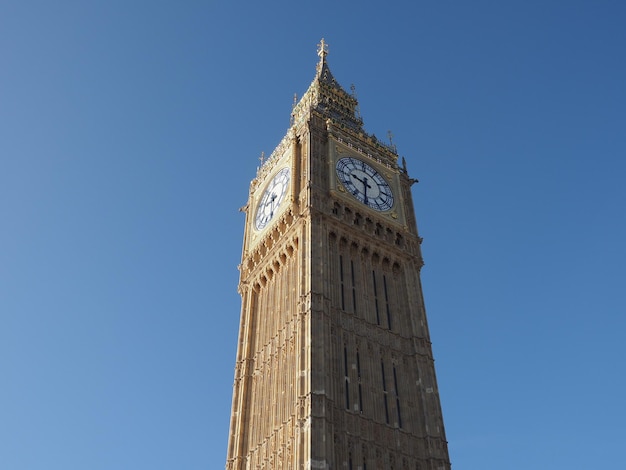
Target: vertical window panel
(387, 301)
(375, 297)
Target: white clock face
(271, 199)
(365, 183)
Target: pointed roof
(326, 96)
(323, 71)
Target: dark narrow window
(387, 301)
(376, 298)
(395, 379)
(349, 461)
(395, 385)
(360, 399)
(382, 368)
(358, 372)
(386, 410)
(343, 301)
(353, 287)
(346, 381)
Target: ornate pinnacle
(322, 49)
(390, 135)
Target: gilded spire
(325, 95)
(323, 72)
(322, 50)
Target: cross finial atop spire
(322, 49)
(390, 135)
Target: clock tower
(334, 364)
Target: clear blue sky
(129, 132)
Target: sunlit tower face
(334, 366)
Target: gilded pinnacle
(322, 49)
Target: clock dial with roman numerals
(365, 183)
(271, 199)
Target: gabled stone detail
(268, 165)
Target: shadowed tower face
(334, 364)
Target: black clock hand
(273, 198)
(365, 184)
(362, 181)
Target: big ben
(334, 365)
